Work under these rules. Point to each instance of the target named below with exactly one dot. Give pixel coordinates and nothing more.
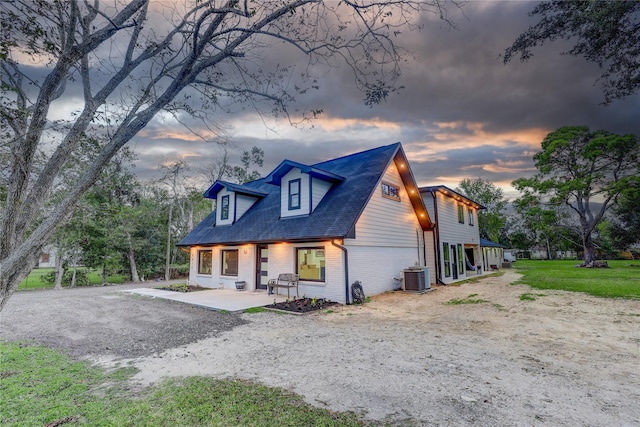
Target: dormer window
(294, 194)
(224, 207)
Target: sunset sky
(462, 114)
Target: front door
(262, 266)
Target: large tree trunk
(589, 249)
(59, 270)
(73, 276)
(132, 265)
(104, 274)
(167, 266)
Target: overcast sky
(462, 114)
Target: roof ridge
(396, 144)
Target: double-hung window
(470, 216)
(461, 214)
(294, 194)
(224, 207)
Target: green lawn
(41, 386)
(95, 278)
(621, 280)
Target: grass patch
(621, 280)
(499, 307)
(41, 386)
(468, 300)
(255, 310)
(33, 281)
(530, 297)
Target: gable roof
(284, 168)
(334, 217)
(241, 189)
(451, 193)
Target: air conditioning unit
(416, 279)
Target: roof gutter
(346, 269)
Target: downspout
(436, 241)
(346, 269)
(418, 247)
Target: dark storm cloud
(462, 113)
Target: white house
(457, 239)
(354, 218)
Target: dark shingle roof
(490, 244)
(449, 192)
(334, 217)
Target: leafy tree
(491, 219)
(586, 171)
(241, 174)
(605, 32)
(539, 219)
(624, 228)
(132, 60)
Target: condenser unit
(416, 279)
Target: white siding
(243, 203)
(376, 267)
(219, 196)
(386, 222)
(451, 231)
(318, 189)
(305, 202)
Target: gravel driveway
(91, 322)
(553, 359)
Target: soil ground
(563, 359)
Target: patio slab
(215, 299)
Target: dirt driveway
(562, 359)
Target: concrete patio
(230, 300)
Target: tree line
(124, 225)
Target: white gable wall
(319, 188)
(219, 196)
(388, 239)
(305, 204)
(386, 222)
(242, 204)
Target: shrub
(82, 278)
